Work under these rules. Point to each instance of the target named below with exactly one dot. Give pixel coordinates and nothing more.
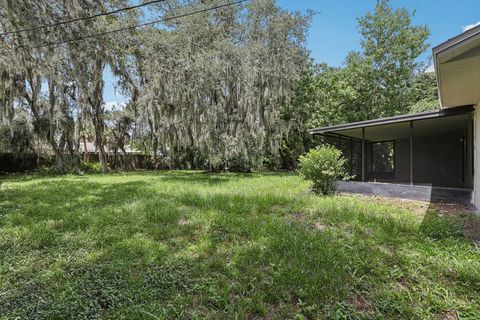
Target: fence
(10, 162)
(131, 161)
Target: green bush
(46, 170)
(324, 166)
(271, 162)
(239, 163)
(91, 167)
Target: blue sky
(334, 33)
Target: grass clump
(189, 245)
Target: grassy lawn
(163, 245)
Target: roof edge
(397, 119)
(452, 42)
(456, 40)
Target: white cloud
(114, 105)
(470, 26)
(431, 68)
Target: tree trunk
(95, 102)
(98, 125)
(85, 152)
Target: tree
(206, 89)
(384, 71)
(215, 83)
(37, 78)
(118, 136)
(424, 93)
(385, 78)
(61, 84)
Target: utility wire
(48, 44)
(83, 18)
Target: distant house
(427, 156)
(90, 153)
(91, 148)
(88, 148)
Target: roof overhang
(457, 67)
(426, 123)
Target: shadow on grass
(78, 247)
(443, 220)
(137, 247)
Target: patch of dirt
(448, 316)
(318, 226)
(388, 251)
(195, 255)
(449, 208)
(472, 231)
(464, 213)
(184, 222)
(271, 314)
(470, 223)
(301, 217)
(418, 207)
(361, 304)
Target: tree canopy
(226, 89)
(386, 77)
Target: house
(432, 156)
(91, 148)
(90, 153)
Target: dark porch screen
(351, 151)
(383, 158)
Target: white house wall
(476, 158)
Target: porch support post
(351, 156)
(363, 154)
(411, 152)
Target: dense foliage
(385, 78)
(205, 90)
(323, 166)
(226, 89)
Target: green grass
(163, 245)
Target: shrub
(271, 162)
(46, 170)
(91, 167)
(323, 166)
(239, 163)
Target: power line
(82, 18)
(48, 44)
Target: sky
(333, 32)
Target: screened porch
(432, 149)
